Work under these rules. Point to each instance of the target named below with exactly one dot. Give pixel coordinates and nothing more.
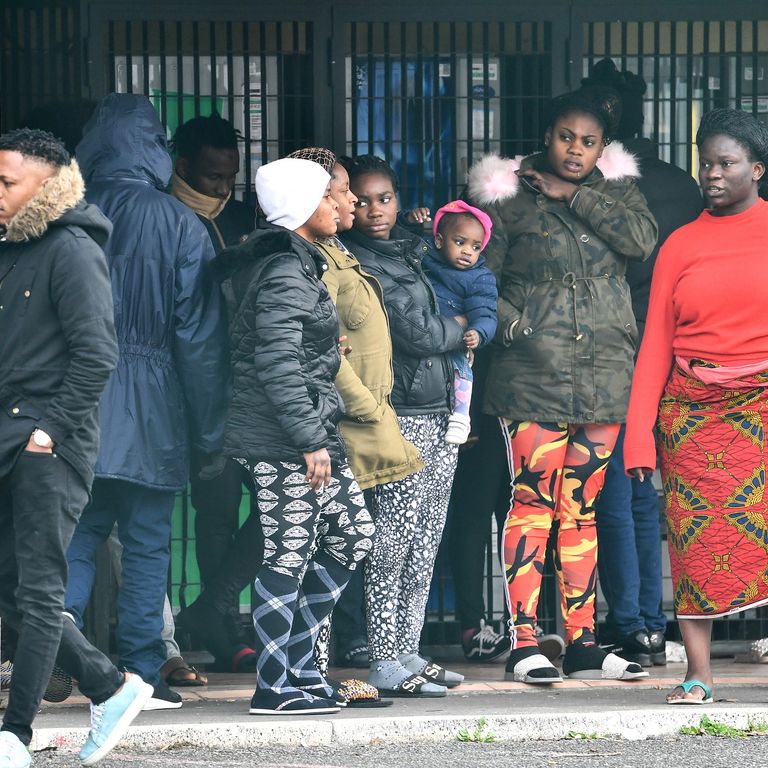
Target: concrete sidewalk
(217, 716)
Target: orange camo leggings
(559, 471)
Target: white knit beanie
(289, 190)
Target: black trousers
(228, 555)
(41, 500)
(481, 488)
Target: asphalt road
(702, 752)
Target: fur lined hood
(58, 195)
(494, 179)
(261, 243)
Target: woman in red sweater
(702, 378)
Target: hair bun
(601, 102)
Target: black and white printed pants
(313, 541)
(410, 517)
(298, 521)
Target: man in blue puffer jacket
(168, 393)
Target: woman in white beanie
(281, 427)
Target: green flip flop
(688, 686)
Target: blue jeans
(629, 551)
(143, 517)
(461, 364)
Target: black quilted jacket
(283, 339)
(421, 338)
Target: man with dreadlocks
(57, 350)
(207, 164)
(702, 374)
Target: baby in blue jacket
(464, 286)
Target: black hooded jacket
(674, 199)
(420, 336)
(284, 349)
(57, 336)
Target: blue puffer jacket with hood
(169, 390)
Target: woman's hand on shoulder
(549, 185)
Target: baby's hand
(418, 215)
(472, 339)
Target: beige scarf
(207, 207)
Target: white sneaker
(458, 429)
(13, 753)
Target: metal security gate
(690, 67)
(45, 32)
(256, 74)
(432, 97)
(429, 96)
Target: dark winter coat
(57, 337)
(566, 332)
(169, 391)
(285, 355)
(674, 199)
(471, 292)
(231, 226)
(420, 336)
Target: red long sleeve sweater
(709, 299)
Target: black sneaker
(485, 644)
(658, 648)
(59, 686)
(162, 698)
(268, 702)
(635, 647)
(356, 657)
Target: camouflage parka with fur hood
(566, 333)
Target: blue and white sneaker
(110, 720)
(13, 754)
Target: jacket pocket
(523, 329)
(25, 291)
(357, 305)
(624, 314)
(21, 408)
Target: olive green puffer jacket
(376, 449)
(566, 333)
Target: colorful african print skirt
(713, 457)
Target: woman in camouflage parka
(564, 227)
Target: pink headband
(459, 206)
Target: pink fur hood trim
(493, 178)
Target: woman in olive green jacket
(565, 222)
(376, 449)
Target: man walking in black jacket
(57, 350)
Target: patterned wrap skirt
(713, 458)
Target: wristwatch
(42, 439)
